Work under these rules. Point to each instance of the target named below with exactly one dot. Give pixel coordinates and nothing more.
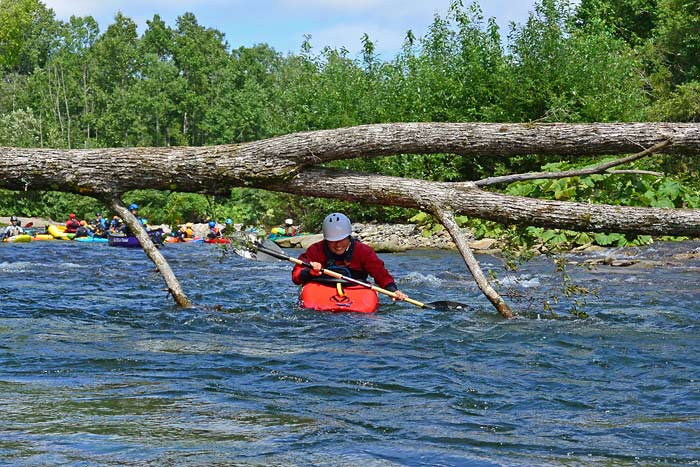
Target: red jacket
(363, 261)
(72, 225)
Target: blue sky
(283, 23)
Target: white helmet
(288, 222)
(336, 227)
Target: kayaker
(115, 225)
(228, 225)
(99, 225)
(213, 230)
(13, 229)
(134, 208)
(340, 252)
(181, 233)
(289, 229)
(83, 230)
(99, 222)
(72, 224)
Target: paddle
(262, 252)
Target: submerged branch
(152, 252)
(448, 220)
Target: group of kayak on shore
(99, 227)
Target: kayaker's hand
(400, 295)
(316, 271)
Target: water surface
(99, 367)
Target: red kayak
(183, 240)
(331, 297)
(217, 240)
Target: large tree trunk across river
(286, 163)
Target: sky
(282, 24)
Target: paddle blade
(445, 305)
(256, 255)
(245, 244)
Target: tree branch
(596, 169)
(448, 220)
(152, 252)
(467, 199)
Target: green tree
(243, 104)
(678, 38)
(20, 129)
(27, 35)
(199, 52)
(564, 74)
(631, 20)
(160, 87)
(117, 66)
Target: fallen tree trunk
(285, 164)
(215, 169)
(468, 199)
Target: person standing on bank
(341, 253)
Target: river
(99, 367)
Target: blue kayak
(133, 242)
(91, 239)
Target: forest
(69, 85)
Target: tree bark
(448, 220)
(466, 198)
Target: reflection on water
(98, 367)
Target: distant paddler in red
(72, 224)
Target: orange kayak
(330, 297)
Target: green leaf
(670, 189)
(663, 203)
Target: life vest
(72, 225)
(12, 230)
(340, 264)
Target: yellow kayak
(59, 232)
(42, 237)
(24, 238)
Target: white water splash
(418, 278)
(524, 281)
(19, 266)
